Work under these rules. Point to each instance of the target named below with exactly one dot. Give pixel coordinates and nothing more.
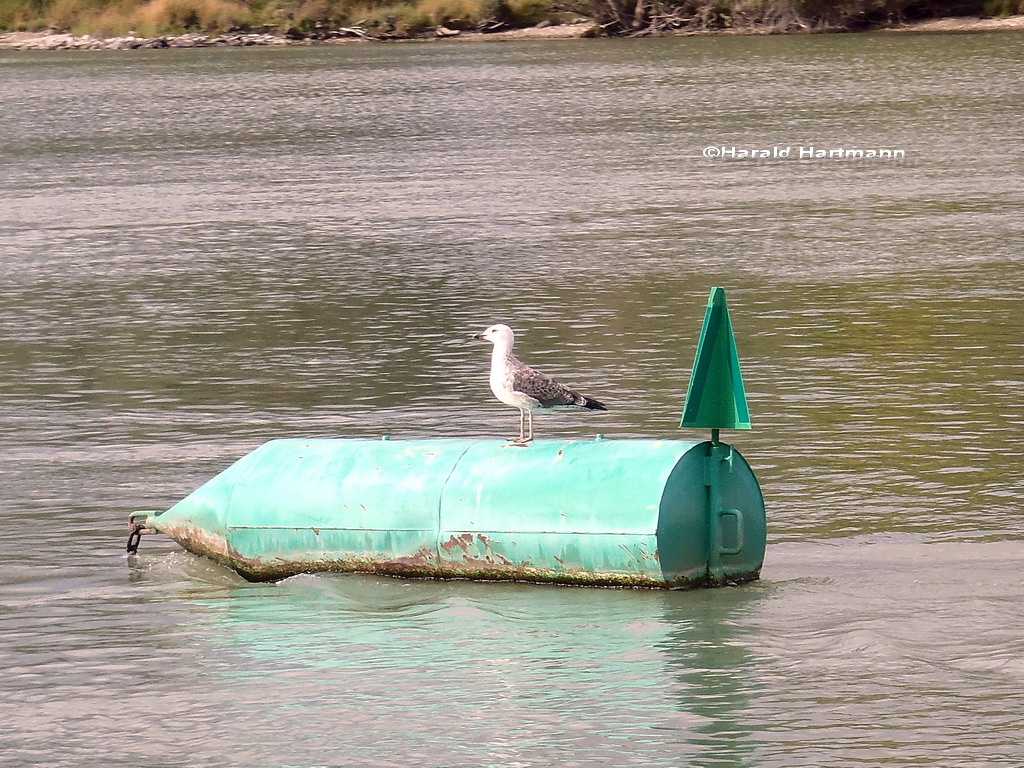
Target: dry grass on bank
(157, 17)
(122, 16)
(408, 18)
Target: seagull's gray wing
(542, 388)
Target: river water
(202, 250)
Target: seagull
(526, 388)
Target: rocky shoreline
(54, 41)
(58, 41)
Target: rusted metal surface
(423, 568)
(425, 564)
(201, 542)
(602, 513)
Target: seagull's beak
(478, 335)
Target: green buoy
(640, 513)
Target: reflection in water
(528, 674)
(706, 649)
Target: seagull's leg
(522, 424)
(523, 439)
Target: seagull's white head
(499, 335)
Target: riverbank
(579, 28)
(59, 41)
(960, 24)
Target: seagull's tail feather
(582, 401)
